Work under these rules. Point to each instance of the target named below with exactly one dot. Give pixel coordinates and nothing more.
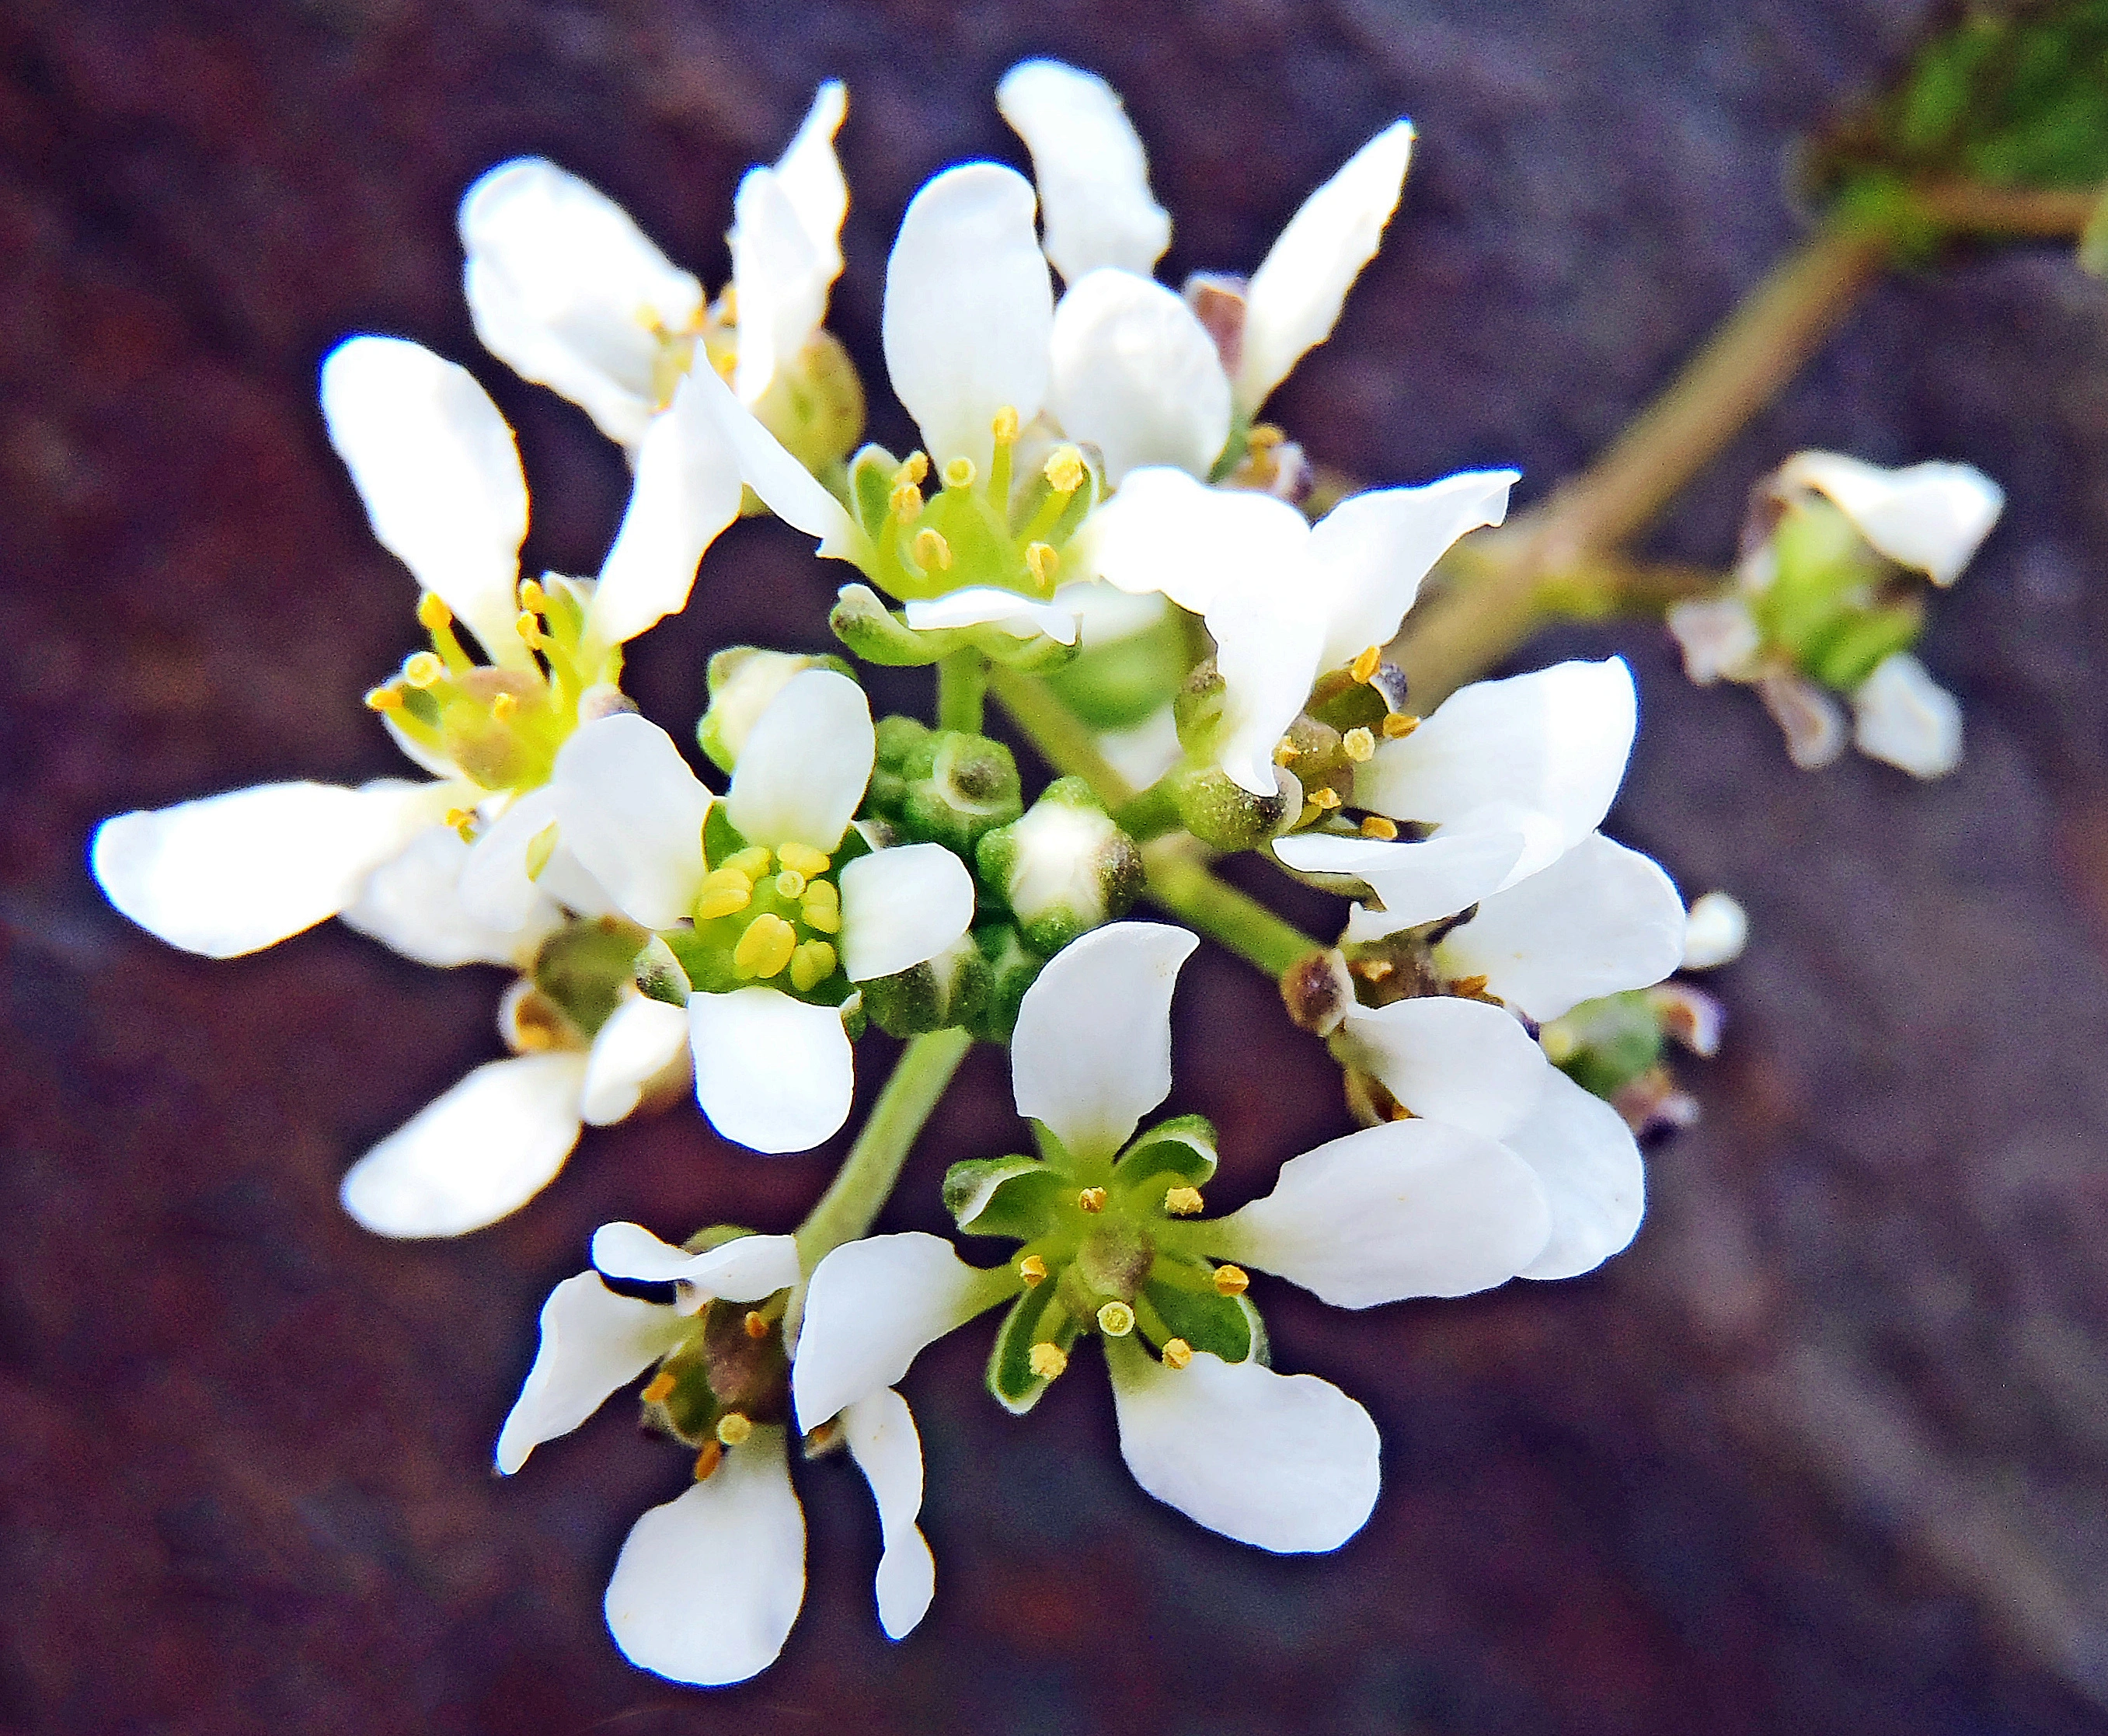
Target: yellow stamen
(1231, 1281)
(724, 893)
(1177, 1353)
(1004, 428)
(1181, 1202)
(729, 305)
(754, 861)
(433, 613)
(1364, 668)
(1375, 826)
(660, 1390)
(791, 883)
(421, 668)
(733, 1428)
(915, 467)
(1047, 1361)
(530, 629)
(1042, 560)
(1561, 1045)
(1359, 745)
(726, 364)
(1284, 750)
(1091, 1199)
(905, 503)
(503, 706)
(1373, 970)
(756, 1323)
(1065, 469)
(1264, 436)
(708, 1460)
(931, 550)
(1033, 1269)
(822, 913)
(808, 861)
(460, 817)
(383, 699)
(1399, 725)
(540, 848)
(765, 948)
(812, 965)
(1115, 1320)
(1326, 798)
(959, 472)
(1468, 986)
(532, 595)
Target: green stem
(1149, 815)
(962, 679)
(865, 1181)
(1182, 885)
(1064, 740)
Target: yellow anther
(905, 503)
(1264, 436)
(726, 361)
(756, 1323)
(1231, 1281)
(931, 550)
(1181, 1202)
(1115, 1320)
(1033, 1269)
(532, 595)
(1561, 1045)
(803, 858)
(1004, 428)
(708, 1460)
(529, 627)
(1364, 667)
(1177, 1353)
(1399, 725)
(1283, 751)
(821, 910)
(1469, 986)
(503, 706)
(1042, 560)
(433, 613)
(959, 472)
(1375, 826)
(791, 883)
(728, 309)
(754, 862)
(1091, 1199)
(660, 1390)
(812, 965)
(765, 948)
(1047, 1361)
(458, 817)
(1359, 745)
(1065, 469)
(421, 668)
(1325, 797)
(733, 1428)
(1399, 1112)
(724, 893)
(383, 699)
(915, 467)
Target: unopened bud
(744, 680)
(1064, 867)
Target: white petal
(412, 903)
(1370, 552)
(1093, 178)
(687, 489)
(747, 1269)
(1718, 637)
(494, 886)
(1410, 1208)
(812, 174)
(770, 1072)
(871, 1306)
(1294, 299)
(805, 763)
(230, 873)
(880, 1432)
(1092, 1054)
(900, 907)
(437, 468)
(1554, 742)
(786, 487)
(1931, 517)
(1285, 1463)
(483, 1150)
(640, 1040)
(631, 812)
(1135, 374)
(1600, 920)
(1416, 882)
(567, 291)
(707, 1587)
(1715, 930)
(781, 273)
(982, 605)
(1902, 715)
(1268, 652)
(1811, 720)
(1589, 1165)
(593, 1340)
(1144, 753)
(1106, 615)
(1452, 1060)
(969, 309)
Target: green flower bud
(1118, 679)
(743, 680)
(1225, 814)
(815, 404)
(1603, 1045)
(1012, 968)
(1063, 868)
(587, 967)
(949, 989)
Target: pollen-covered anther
(1376, 826)
(1033, 1269)
(1181, 1202)
(756, 1323)
(1326, 798)
(931, 550)
(660, 1389)
(460, 818)
(1359, 745)
(1468, 986)
(421, 669)
(708, 1460)
(733, 1428)
(790, 884)
(1004, 426)
(1063, 470)
(528, 625)
(433, 613)
(905, 501)
(504, 705)
(1042, 560)
(1399, 725)
(822, 908)
(754, 862)
(1177, 1353)
(812, 965)
(1047, 1361)
(959, 472)
(532, 595)
(1364, 668)
(1115, 1320)
(383, 699)
(1283, 751)
(1232, 1280)
(765, 948)
(725, 892)
(1091, 1199)
(915, 467)
(803, 858)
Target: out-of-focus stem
(962, 678)
(1064, 740)
(1181, 883)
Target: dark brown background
(1827, 1451)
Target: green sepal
(1862, 641)
(1010, 1377)
(721, 838)
(862, 621)
(1182, 1148)
(871, 474)
(1221, 812)
(1226, 1325)
(586, 966)
(1344, 703)
(1013, 1197)
(1076, 868)
(1013, 967)
(707, 967)
(943, 785)
(659, 973)
(941, 992)
(1618, 1038)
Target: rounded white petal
(969, 309)
(1931, 517)
(880, 1432)
(1811, 722)
(1902, 715)
(1369, 554)
(1600, 920)
(567, 291)
(494, 886)
(986, 605)
(786, 487)
(1093, 178)
(1166, 531)
(1410, 1208)
(1452, 1060)
(687, 489)
(900, 907)
(1716, 928)
(1554, 742)
(805, 763)
(1415, 883)
(1294, 299)
(469, 1158)
(1285, 1462)
(772, 1073)
(437, 468)
(747, 1269)
(593, 1340)
(641, 1038)
(412, 903)
(1717, 635)
(811, 175)
(871, 1306)
(229, 874)
(1589, 1166)
(780, 272)
(1135, 373)
(631, 812)
(708, 1586)
(1092, 1053)
(1144, 753)
(1106, 615)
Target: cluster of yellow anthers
(798, 908)
(1359, 745)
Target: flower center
(771, 917)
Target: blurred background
(1827, 1450)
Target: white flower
(567, 290)
(1716, 928)
(1900, 715)
(1931, 517)
(708, 1586)
(1135, 371)
(1285, 600)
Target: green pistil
(768, 917)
